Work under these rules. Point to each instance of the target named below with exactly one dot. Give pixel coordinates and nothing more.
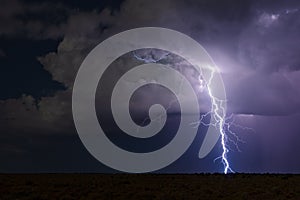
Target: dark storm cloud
(257, 51)
(271, 43)
(220, 27)
(45, 19)
(260, 94)
(82, 5)
(36, 21)
(25, 75)
(268, 49)
(51, 112)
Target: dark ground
(149, 186)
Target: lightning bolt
(222, 123)
(218, 113)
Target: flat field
(149, 186)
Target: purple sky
(255, 44)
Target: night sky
(255, 44)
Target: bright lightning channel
(218, 113)
(222, 123)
